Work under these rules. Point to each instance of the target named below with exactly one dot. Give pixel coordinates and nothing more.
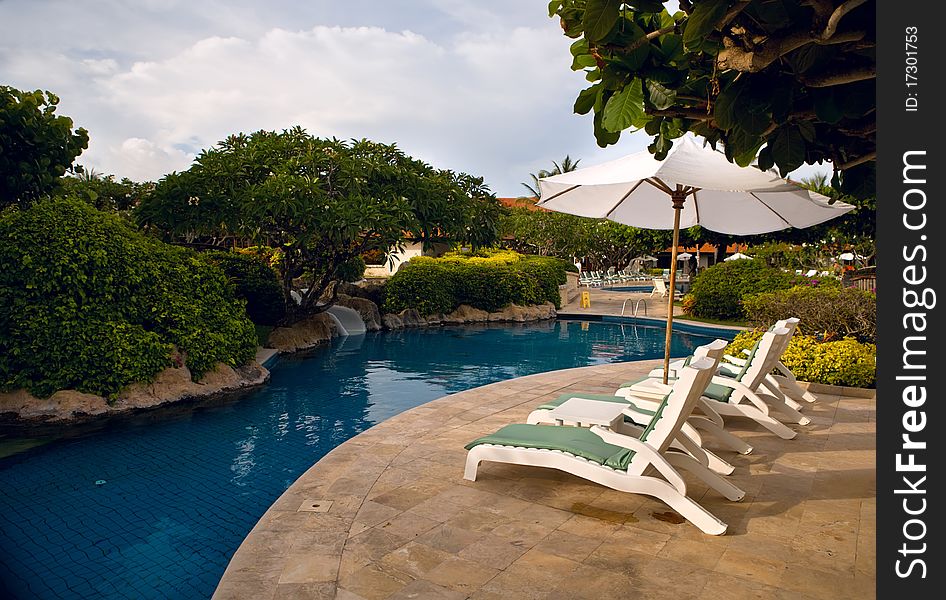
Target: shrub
(830, 312)
(488, 282)
(844, 362)
(687, 304)
(351, 270)
(426, 285)
(718, 290)
(87, 303)
(256, 282)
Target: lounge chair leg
(721, 435)
(689, 509)
(787, 381)
(472, 465)
(789, 413)
(703, 456)
(714, 480)
(776, 427)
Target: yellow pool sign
(586, 299)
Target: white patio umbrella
(684, 256)
(737, 256)
(694, 185)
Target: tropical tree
(784, 83)
(103, 192)
(37, 146)
(566, 165)
(320, 202)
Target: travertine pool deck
(388, 515)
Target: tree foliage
(786, 82)
(598, 242)
(37, 146)
(565, 166)
(320, 201)
(103, 192)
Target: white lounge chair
(738, 393)
(615, 460)
(640, 415)
(781, 379)
(660, 289)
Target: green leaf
(604, 137)
(647, 6)
(807, 130)
(586, 99)
(600, 16)
(660, 96)
(625, 108)
(630, 32)
(583, 61)
(702, 21)
(826, 107)
(724, 111)
(788, 149)
(554, 5)
(579, 47)
(766, 160)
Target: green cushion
(565, 397)
(718, 392)
(574, 440)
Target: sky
(478, 86)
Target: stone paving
(387, 515)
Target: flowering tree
(321, 202)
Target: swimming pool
(154, 507)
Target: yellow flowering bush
(844, 362)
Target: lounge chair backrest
(676, 406)
(659, 285)
(763, 358)
(789, 324)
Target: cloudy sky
(480, 86)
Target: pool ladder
(637, 303)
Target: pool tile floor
(403, 523)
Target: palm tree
(567, 165)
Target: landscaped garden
(182, 361)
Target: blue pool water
(182, 488)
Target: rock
(466, 314)
(522, 314)
(171, 385)
(311, 331)
(367, 309)
(367, 290)
(392, 321)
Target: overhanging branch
(840, 77)
(837, 15)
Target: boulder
(171, 385)
(311, 331)
(466, 314)
(367, 309)
(409, 317)
(522, 314)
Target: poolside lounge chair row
(598, 278)
(639, 439)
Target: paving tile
(461, 575)
(493, 551)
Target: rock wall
(171, 385)
(467, 314)
(367, 309)
(307, 333)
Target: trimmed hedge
(488, 283)
(844, 362)
(718, 290)
(829, 312)
(255, 281)
(87, 303)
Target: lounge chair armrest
(746, 351)
(645, 452)
(735, 360)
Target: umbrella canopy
(849, 256)
(737, 256)
(684, 256)
(644, 258)
(694, 185)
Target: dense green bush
(351, 270)
(256, 282)
(718, 290)
(486, 282)
(87, 303)
(844, 362)
(829, 312)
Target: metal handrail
(636, 305)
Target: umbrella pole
(678, 198)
